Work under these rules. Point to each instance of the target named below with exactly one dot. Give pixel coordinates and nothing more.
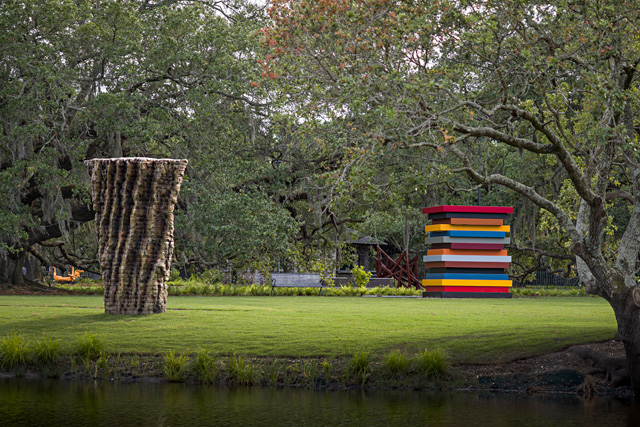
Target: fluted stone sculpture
(134, 200)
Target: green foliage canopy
(558, 81)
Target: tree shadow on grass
(35, 324)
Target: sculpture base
(466, 295)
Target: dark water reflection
(65, 403)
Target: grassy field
(468, 331)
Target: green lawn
(467, 330)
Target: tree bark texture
(134, 200)
(628, 320)
(11, 270)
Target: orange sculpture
(75, 274)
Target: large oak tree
(553, 82)
(180, 79)
(87, 79)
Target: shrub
(348, 291)
(89, 346)
(230, 290)
(407, 291)
(46, 352)
(547, 292)
(174, 275)
(361, 276)
(174, 366)
(14, 351)
(204, 367)
(212, 276)
(397, 363)
(387, 291)
(311, 291)
(194, 288)
(174, 290)
(85, 290)
(432, 364)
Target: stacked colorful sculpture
(467, 258)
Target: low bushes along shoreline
(85, 359)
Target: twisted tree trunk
(134, 200)
(11, 269)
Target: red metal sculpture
(403, 270)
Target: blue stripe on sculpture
(463, 276)
(448, 239)
(460, 233)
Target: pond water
(25, 402)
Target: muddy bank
(589, 369)
(570, 371)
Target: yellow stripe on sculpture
(450, 227)
(454, 282)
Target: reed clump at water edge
(85, 359)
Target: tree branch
(528, 192)
(619, 194)
(570, 165)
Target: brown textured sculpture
(134, 199)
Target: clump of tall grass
(14, 351)
(305, 372)
(46, 351)
(432, 364)
(242, 371)
(397, 363)
(273, 371)
(103, 366)
(89, 346)
(175, 366)
(204, 367)
(327, 369)
(359, 366)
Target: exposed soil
(560, 372)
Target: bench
(296, 280)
